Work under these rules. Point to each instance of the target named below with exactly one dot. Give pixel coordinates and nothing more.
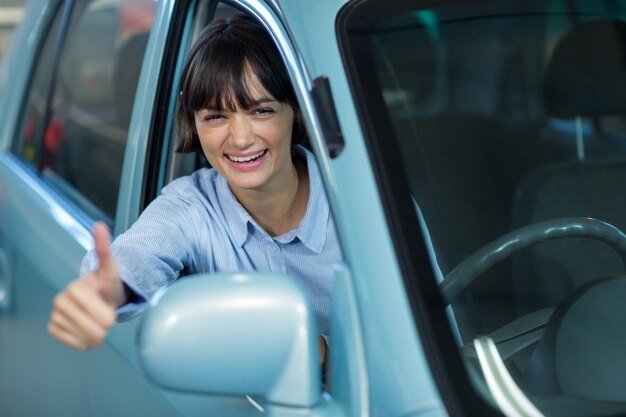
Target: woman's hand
(83, 313)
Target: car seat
(586, 77)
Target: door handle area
(5, 281)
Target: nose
(241, 133)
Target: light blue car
(474, 157)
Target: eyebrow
(253, 103)
(262, 100)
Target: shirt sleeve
(154, 251)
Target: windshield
(509, 122)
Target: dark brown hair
(214, 76)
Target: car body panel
(358, 203)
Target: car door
(68, 102)
(349, 373)
(377, 363)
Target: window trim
(64, 26)
(161, 129)
(453, 381)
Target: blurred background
(10, 14)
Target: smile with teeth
(246, 159)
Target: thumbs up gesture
(83, 313)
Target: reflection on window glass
(513, 118)
(28, 146)
(82, 145)
(93, 97)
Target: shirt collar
(313, 227)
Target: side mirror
(233, 334)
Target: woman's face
(250, 148)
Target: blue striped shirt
(197, 225)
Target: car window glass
(81, 149)
(510, 122)
(27, 146)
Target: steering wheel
(481, 260)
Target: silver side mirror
(233, 334)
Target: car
(474, 157)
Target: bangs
(220, 79)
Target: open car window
(509, 122)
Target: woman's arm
(149, 255)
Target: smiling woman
(233, 67)
(260, 208)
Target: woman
(261, 206)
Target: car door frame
(350, 374)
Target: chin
(248, 184)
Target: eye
(205, 116)
(211, 117)
(263, 111)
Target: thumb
(107, 279)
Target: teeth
(246, 158)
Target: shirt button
(274, 248)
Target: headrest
(587, 73)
